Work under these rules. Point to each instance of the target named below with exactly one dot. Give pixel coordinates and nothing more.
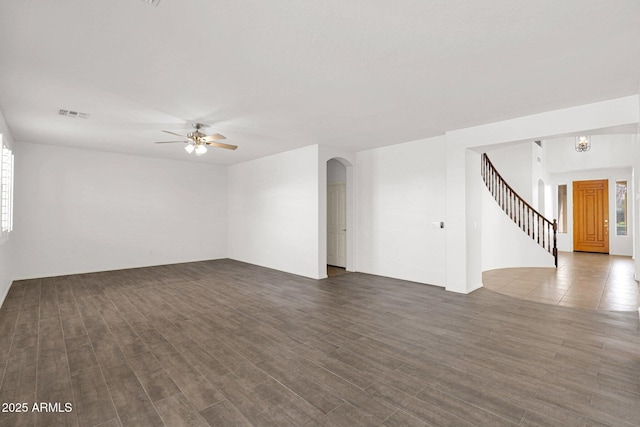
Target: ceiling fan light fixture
(197, 141)
(152, 2)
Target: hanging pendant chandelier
(583, 143)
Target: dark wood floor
(224, 343)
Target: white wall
(635, 202)
(504, 244)
(514, 163)
(540, 197)
(273, 211)
(473, 250)
(522, 165)
(607, 151)
(400, 193)
(634, 199)
(7, 248)
(81, 211)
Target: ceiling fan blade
(222, 145)
(176, 134)
(169, 142)
(213, 137)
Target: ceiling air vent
(73, 114)
(152, 2)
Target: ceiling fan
(197, 141)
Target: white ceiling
(277, 75)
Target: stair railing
(532, 222)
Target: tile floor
(582, 280)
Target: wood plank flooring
(223, 343)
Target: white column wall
(82, 211)
(458, 233)
(539, 172)
(7, 257)
(274, 212)
(401, 201)
(635, 201)
(473, 219)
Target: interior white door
(337, 224)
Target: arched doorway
(347, 161)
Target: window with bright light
(6, 191)
(621, 208)
(562, 208)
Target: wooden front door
(591, 216)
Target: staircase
(530, 221)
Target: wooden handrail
(532, 222)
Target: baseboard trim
(475, 288)
(4, 297)
(466, 291)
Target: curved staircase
(530, 221)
